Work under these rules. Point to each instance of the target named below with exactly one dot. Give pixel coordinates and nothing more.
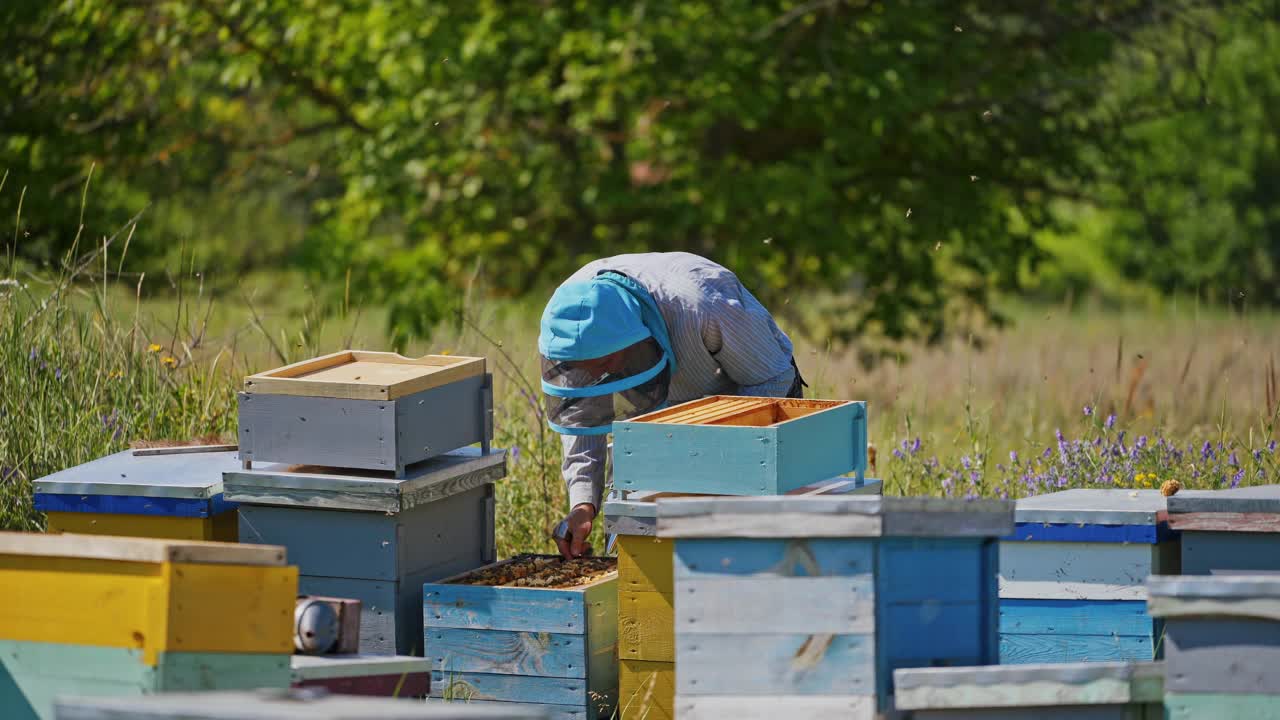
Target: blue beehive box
(1073, 574)
(1228, 530)
(171, 493)
(1223, 638)
(804, 606)
(730, 445)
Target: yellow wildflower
(169, 361)
(446, 352)
(115, 375)
(153, 347)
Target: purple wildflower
(1233, 460)
(57, 373)
(1111, 420)
(1257, 456)
(1141, 443)
(1235, 481)
(915, 446)
(1088, 411)
(898, 453)
(1271, 446)
(1206, 452)
(966, 462)
(31, 356)
(1013, 456)
(515, 454)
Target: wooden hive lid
(352, 489)
(1098, 506)
(146, 550)
(818, 516)
(283, 705)
(740, 411)
(179, 474)
(1252, 499)
(364, 375)
(1042, 685)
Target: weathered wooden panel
(849, 707)
(1220, 706)
(365, 375)
(929, 569)
(1227, 522)
(323, 667)
(33, 674)
(1223, 655)
(480, 607)
(775, 664)
(133, 505)
(329, 543)
(1094, 506)
(1075, 617)
(646, 690)
(191, 476)
(1249, 499)
(644, 564)
(1018, 649)
(144, 550)
(220, 528)
(149, 606)
(382, 630)
(1133, 711)
(1027, 686)
(1078, 571)
(646, 626)
(1090, 533)
(509, 688)
(817, 557)
(748, 605)
(288, 706)
(738, 460)
(507, 652)
(423, 431)
(400, 685)
(1205, 553)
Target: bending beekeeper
(630, 334)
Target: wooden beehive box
(1222, 637)
(646, 625)
(1062, 691)
(359, 674)
(728, 445)
(551, 646)
(1073, 576)
(1226, 530)
(366, 410)
(804, 606)
(374, 538)
(95, 614)
(300, 704)
(173, 493)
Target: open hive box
(533, 629)
(359, 409)
(729, 445)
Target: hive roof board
(1098, 506)
(1252, 499)
(283, 705)
(349, 489)
(1224, 596)
(182, 474)
(324, 667)
(818, 516)
(147, 550)
(364, 375)
(1039, 685)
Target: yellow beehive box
(150, 595)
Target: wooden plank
(1078, 571)
(401, 685)
(383, 630)
(225, 608)
(646, 690)
(1248, 499)
(931, 633)
(320, 667)
(423, 431)
(1215, 655)
(363, 375)
(144, 550)
(1220, 706)
(696, 558)
(131, 505)
(1075, 617)
(143, 526)
(509, 688)
(644, 564)
(1205, 553)
(183, 450)
(775, 664)
(332, 543)
(249, 705)
(1099, 506)
(481, 607)
(505, 652)
(601, 601)
(1057, 648)
(196, 476)
(930, 569)
(784, 605)
(1106, 683)
(646, 626)
(317, 431)
(1226, 522)
(850, 707)
(822, 445)
(1088, 532)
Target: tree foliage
(902, 155)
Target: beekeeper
(630, 334)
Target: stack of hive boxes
(1228, 530)
(718, 445)
(368, 480)
(98, 615)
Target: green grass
(85, 368)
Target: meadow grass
(87, 367)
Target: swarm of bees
(542, 571)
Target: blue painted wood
(1054, 532)
(1075, 617)
(480, 607)
(330, 543)
(989, 634)
(930, 569)
(771, 664)
(784, 558)
(133, 505)
(383, 630)
(1204, 553)
(1018, 649)
(729, 460)
(454, 650)
(509, 688)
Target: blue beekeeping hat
(585, 320)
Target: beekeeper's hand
(578, 526)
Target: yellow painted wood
(137, 549)
(221, 527)
(644, 564)
(646, 690)
(646, 626)
(153, 607)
